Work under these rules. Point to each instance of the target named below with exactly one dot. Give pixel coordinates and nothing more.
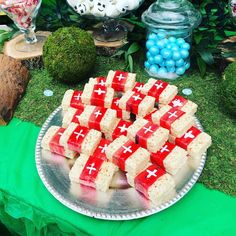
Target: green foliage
(5, 36)
(69, 54)
(228, 88)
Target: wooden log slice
(14, 78)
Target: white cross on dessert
(127, 149)
(99, 91)
(172, 114)
(136, 97)
(123, 128)
(158, 86)
(177, 103)
(60, 134)
(102, 83)
(164, 149)
(77, 117)
(97, 113)
(120, 77)
(149, 129)
(138, 88)
(91, 168)
(103, 148)
(77, 97)
(117, 102)
(151, 173)
(189, 135)
(78, 134)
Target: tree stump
(14, 78)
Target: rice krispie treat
(154, 183)
(80, 139)
(98, 80)
(100, 151)
(137, 103)
(93, 171)
(120, 128)
(147, 134)
(160, 90)
(194, 141)
(99, 118)
(183, 104)
(138, 87)
(122, 114)
(170, 158)
(51, 142)
(71, 115)
(173, 119)
(97, 95)
(127, 155)
(120, 81)
(72, 98)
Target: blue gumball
(154, 50)
(162, 64)
(147, 64)
(180, 41)
(176, 55)
(172, 39)
(162, 71)
(170, 63)
(161, 35)
(154, 69)
(152, 36)
(148, 54)
(184, 53)
(161, 43)
(150, 43)
(166, 53)
(158, 59)
(187, 66)
(168, 46)
(186, 46)
(179, 63)
(170, 69)
(151, 60)
(174, 47)
(180, 70)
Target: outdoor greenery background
(219, 172)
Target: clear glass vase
(23, 13)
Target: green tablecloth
(28, 208)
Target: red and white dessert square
(72, 98)
(138, 87)
(99, 118)
(100, 151)
(98, 80)
(154, 183)
(147, 134)
(51, 142)
(137, 103)
(160, 90)
(120, 128)
(127, 155)
(120, 81)
(93, 171)
(71, 115)
(80, 139)
(122, 114)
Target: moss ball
(69, 54)
(228, 88)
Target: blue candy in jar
(180, 70)
(158, 59)
(180, 41)
(161, 43)
(161, 35)
(176, 55)
(147, 64)
(186, 46)
(154, 50)
(166, 53)
(170, 69)
(170, 63)
(187, 66)
(148, 54)
(184, 53)
(152, 36)
(172, 39)
(174, 47)
(151, 60)
(150, 43)
(162, 71)
(180, 62)
(154, 69)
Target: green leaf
(118, 53)
(134, 47)
(201, 66)
(207, 56)
(131, 63)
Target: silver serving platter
(121, 202)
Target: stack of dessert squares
(146, 130)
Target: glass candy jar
(169, 28)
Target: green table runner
(28, 208)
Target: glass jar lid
(172, 15)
